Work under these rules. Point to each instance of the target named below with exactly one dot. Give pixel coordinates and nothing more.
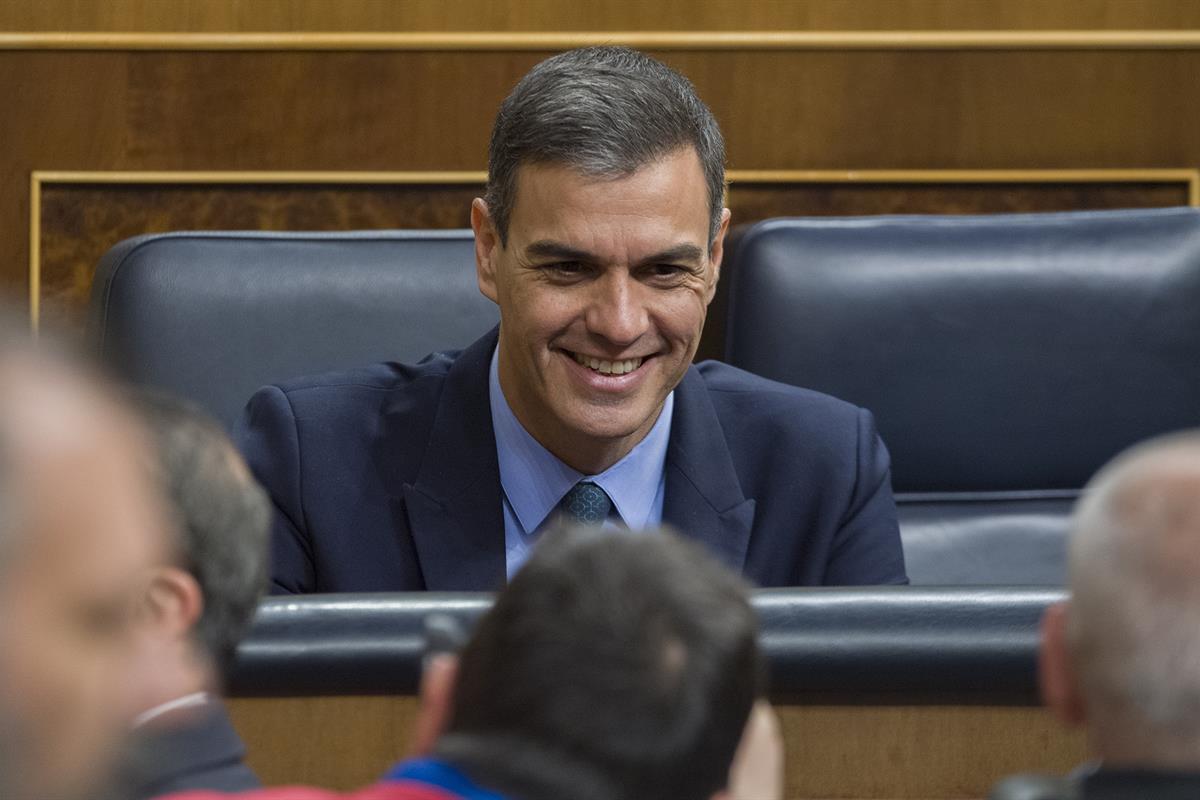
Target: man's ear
(173, 602)
(487, 242)
(716, 253)
(437, 697)
(1057, 679)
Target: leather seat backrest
(214, 316)
(1005, 357)
(1006, 352)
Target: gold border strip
(273, 177)
(1149, 175)
(35, 251)
(39, 177)
(650, 40)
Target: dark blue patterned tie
(586, 504)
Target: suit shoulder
(733, 390)
(371, 380)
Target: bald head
(1133, 628)
(82, 522)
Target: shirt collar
(187, 701)
(534, 480)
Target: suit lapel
(453, 508)
(704, 499)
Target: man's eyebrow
(679, 254)
(550, 249)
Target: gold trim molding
(649, 40)
(39, 178)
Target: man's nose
(617, 310)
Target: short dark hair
(624, 662)
(606, 112)
(222, 516)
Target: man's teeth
(609, 367)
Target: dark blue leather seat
(884, 645)
(1006, 358)
(214, 316)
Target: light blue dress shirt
(534, 480)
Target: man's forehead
(662, 204)
(80, 464)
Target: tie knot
(586, 503)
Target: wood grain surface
(553, 15)
(371, 111)
(80, 221)
(831, 751)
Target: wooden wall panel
(603, 15)
(79, 221)
(414, 110)
(754, 201)
(831, 751)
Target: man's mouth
(604, 367)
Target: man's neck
(180, 687)
(584, 454)
(589, 456)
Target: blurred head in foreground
(1123, 657)
(80, 522)
(201, 599)
(196, 605)
(613, 666)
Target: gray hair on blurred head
(1134, 621)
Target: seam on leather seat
(1013, 495)
(968, 220)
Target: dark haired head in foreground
(615, 666)
(626, 664)
(1122, 658)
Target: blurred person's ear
(173, 603)
(437, 697)
(757, 770)
(1057, 679)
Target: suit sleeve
(266, 435)
(866, 549)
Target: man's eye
(566, 269)
(667, 271)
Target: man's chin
(600, 424)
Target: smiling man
(600, 238)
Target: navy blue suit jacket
(386, 479)
(202, 753)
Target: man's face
(603, 289)
(91, 527)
